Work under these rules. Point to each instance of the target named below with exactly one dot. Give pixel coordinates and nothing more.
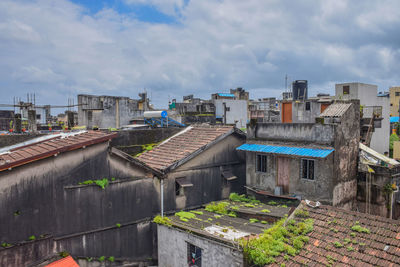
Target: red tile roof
(64, 262)
(382, 243)
(182, 145)
(36, 151)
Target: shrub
(102, 258)
(217, 207)
(32, 237)
(111, 259)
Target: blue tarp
(394, 119)
(226, 95)
(287, 150)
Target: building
(264, 110)
(378, 181)
(374, 106)
(204, 237)
(316, 161)
(192, 110)
(6, 120)
(110, 111)
(394, 101)
(199, 163)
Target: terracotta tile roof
(182, 145)
(335, 110)
(64, 262)
(36, 151)
(379, 247)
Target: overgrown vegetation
(277, 240)
(162, 220)
(301, 213)
(63, 254)
(146, 147)
(360, 229)
(111, 259)
(6, 245)
(242, 198)
(185, 216)
(118, 225)
(102, 183)
(32, 237)
(220, 207)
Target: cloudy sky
(59, 48)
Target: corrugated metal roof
(226, 95)
(287, 150)
(64, 262)
(335, 110)
(394, 119)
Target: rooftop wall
(293, 132)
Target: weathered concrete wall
(301, 115)
(347, 136)
(173, 249)
(237, 111)
(107, 111)
(8, 140)
(293, 132)
(319, 189)
(29, 253)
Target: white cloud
(216, 45)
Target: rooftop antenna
(286, 88)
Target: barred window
(307, 169)
(261, 163)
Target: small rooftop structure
(335, 110)
(20, 155)
(371, 157)
(64, 262)
(184, 145)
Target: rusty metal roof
(182, 145)
(64, 262)
(335, 110)
(34, 152)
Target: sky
(171, 48)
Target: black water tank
(300, 89)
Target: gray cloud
(56, 49)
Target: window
(346, 89)
(391, 104)
(307, 169)
(308, 106)
(397, 93)
(194, 255)
(180, 184)
(261, 163)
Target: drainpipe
(162, 196)
(117, 113)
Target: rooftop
(229, 220)
(185, 143)
(346, 238)
(335, 110)
(26, 153)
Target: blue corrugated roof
(226, 95)
(394, 119)
(287, 150)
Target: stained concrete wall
(301, 115)
(107, 111)
(237, 111)
(173, 249)
(293, 132)
(318, 189)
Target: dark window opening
(38, 116)
(362, 176)
(228, 108)
(194, 255)
(346, 89)
(391, 104)
(397, 93)
(180, 185)
(308, 106)
(307, 169)
(178, 189)
(261, 163)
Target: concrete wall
(8, 140)
(237, 112)
(107, 111)
(301, 115)
(394, 101)
(173, 246)
(293, 132)
(318, 189)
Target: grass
(277, 240)
(185, 216)
(220, 207)
(162, 220)
(235, 197)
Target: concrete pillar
(17, 123)
(117, 113)
(70, 119)
(32, 126)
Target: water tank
(156, 114)
(300, 90)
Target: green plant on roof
(253, 220)
(272, 203)
(277, 240)
(283, 206)
(232, 214)
(360, 229)
(197, 212)
(113, 179)
(266, 211)
(350, 248)
(352, 234)
(185, 216)
(17, 213)
(118, 225)
(111, 259)
(217, 216)
(87, 182)
(32, 237)
(242, 198)
(301, 213)
(264, 222)
(102, 258)
(102, 183)
(346, 241)
(234, 208)
(63, 254)
(6, 245)
(220, 207)
(89, 259)
(162, 220)
(249, 205)
(337, 244)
